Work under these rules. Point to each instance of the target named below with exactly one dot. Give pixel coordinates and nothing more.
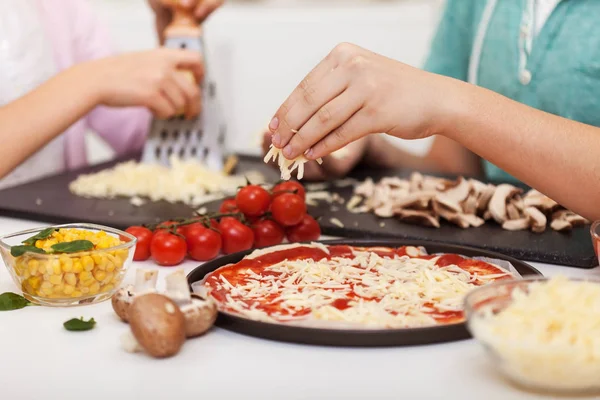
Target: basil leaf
(44, 234)
(12, 301)
(17, 251)
(73, 247)
(78, 324)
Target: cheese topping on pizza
(343, 286)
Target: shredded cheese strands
(403, 285)
(287, 166)
(549, 337)
(187, 181)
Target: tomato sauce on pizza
(344, 286)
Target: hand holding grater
(202, 138)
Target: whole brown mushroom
(157, 325)
(145, 282)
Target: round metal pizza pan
(355, 338)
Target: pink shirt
(77, 36)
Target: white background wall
(259, 50)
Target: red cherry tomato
(291, 187)
(236, 236)
(228, 206)
(267, 233)
(203, 244)
(253, 200)
(167, 249)
(142, 247)
(307, 230)
(288, 209)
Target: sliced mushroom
(366, 189)
(157, 325)
(512, 212)
(443, 201)
(459, 192)
(200, 315)
(416, 180)
(145, 282)
(533, 198)
(497, 206)
(418, 217)
(469, 206)
(484, 198)
(561, 225)
(570, 216)
(516, 224)
(419, 199)
(537, 218)
(473, 220)
(385, 210)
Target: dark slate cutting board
(60, 206)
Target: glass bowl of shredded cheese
(68, 265)
(543, 334)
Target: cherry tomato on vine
(307, 230)
(165, 227)
(291, 187)
(236, 236)
(142, 247)
(267, 233)
(228, 206)
(253, 200)
(203, 244)
(288, 209)
(167, 249)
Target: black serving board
(354, 337)
(58, 205)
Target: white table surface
(41, 360)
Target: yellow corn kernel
(56, 279)
(85, 275)
(42, 268)
(95, 288)
(88, 262)
(110, 267)
(56, 269)
(25, 274)
(108, 277)
(115, 280)
(68, 289)
(99, 275)
(86, 283)
(58, 289)
(107, 288)
(35, 282)
(71, 279)
(46, 285)
(77, 267)
(46, 291)
(33, 266)
(76, 293)
(104, 243)
(66, 263)
(85, 290)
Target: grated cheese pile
(287, 166)
(549, 337)
(186, 181)
(394, 292)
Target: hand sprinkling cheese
(287, 166)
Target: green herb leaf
(45, 234)
(12, 301)
(73, 247)
(78, 324)
(17, 251)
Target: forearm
(557, 156)
(33, 120)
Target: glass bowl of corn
(68, 265)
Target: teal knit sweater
(564, 61)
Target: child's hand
(158, 79)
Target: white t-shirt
(26, 61)
(543, 9)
